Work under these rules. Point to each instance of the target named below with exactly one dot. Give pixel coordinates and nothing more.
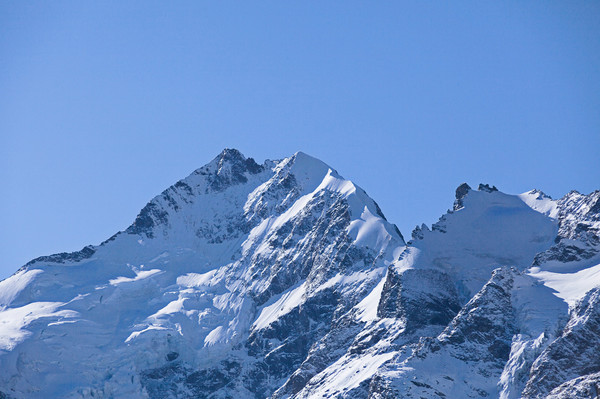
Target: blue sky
(105, 104)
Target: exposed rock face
(220, 287)
(573, 354)
(64, 257)
(467, 358)
(582, 387)
(461, 192)
(578, 237)
(487, 188)
(418, 298)
(284, 280)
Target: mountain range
(285, 280)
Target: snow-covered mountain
(284, 280)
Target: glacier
(285, 280)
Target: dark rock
(461, 193)
(487, 188)
(63, 257)
(232, 167)
(418, 233)
(149, 217)
(419, 297)
(583, 387)
(573, 354)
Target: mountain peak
(539, 194)
(283, 279)
(307, 164)
(228, 168)
(461, 192)
(487, 188)
(231, 154)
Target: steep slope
(219, 287)
(285, 280)
(485, 351)
(573, 354)
(432, 336)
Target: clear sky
(105, 104)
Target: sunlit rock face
(283, 279)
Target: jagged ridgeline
(284, 280)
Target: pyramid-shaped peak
(231, 154)
(230, 160)
(539, 194)
(303, 163)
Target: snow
(307, 170)
(207, 265)
(333, 182)
(368, 230)
(139, 275)
(196, 279)
(522, 354)
(367, 308)
(218, 335)
(540, 202)
(286, 302)
(570, 286)
(11, 287)
(346, 374)
(353, 280)
(13, 322)
(538, 310)
(136, 334)
(491, 230)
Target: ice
(139, 275)
(540, 202)
(228, 255)
(13, 322)
(346, 374)
(12, 286)
(367, 308)
(286, 302)
(570, 286)
(491, 230)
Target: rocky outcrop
(467, 358)
(284, 280)
(573, 354)
(582, 387)
(418, 298)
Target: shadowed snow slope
(283, 279)
(210, 276)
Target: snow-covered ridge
(192, 275)
(283, 279)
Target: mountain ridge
(283, 279)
